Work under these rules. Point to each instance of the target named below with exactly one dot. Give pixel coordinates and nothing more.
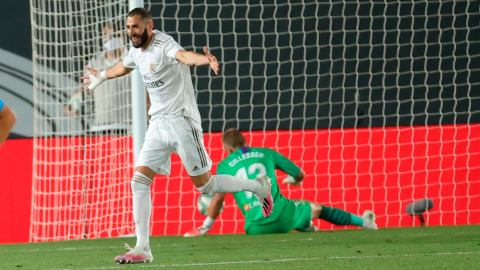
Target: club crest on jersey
(152, 68)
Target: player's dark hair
(234, 138)
(146, 15)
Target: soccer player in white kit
(175, 124)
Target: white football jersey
(168, 81)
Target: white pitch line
(200, 264)
(285, 260)
(405, 255)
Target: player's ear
(227, 148)
(150, 25)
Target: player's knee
(146, 171)
(201, 180)
(316, 210)
(140, 182)
(210, 187)
(315, 206)
(139, 187)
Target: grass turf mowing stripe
(456, 247)
(236, 242)
(280, 260)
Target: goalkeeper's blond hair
(234, 138)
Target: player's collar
(242, 150)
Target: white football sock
(142, 208)
(229, 184)
(208, 222)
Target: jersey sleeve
(284, 164)
(1, 105)
(171, 48)
(128, 61)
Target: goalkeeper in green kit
(250, 162)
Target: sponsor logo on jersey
(195, 168)
(154, 84)
(245, 156)
(249, 206)
(152, 68)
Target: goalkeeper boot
(264, 197)
(369, 220)
(135, 255)
(201, 231)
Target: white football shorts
(174, 134)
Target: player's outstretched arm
(216, 205)
(295, 181)
(295, 173)
(191, 58)
(7, 120)
(213, 211)
(97, 77)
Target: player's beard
(143, 39)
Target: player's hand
(94, 79)
(291, 181)
(67, 110)
(200, 231)
(212, 59)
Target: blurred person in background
(7, 121)
(108, 108)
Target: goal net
(376, 101)
(83, 159)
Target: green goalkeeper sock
(356, 220)
(339, 217)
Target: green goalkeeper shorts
(296, 214)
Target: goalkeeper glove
(291, 181)
(96, 80)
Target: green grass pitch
(445, 247)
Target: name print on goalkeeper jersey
(252, 162)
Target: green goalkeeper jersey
(251, 162)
